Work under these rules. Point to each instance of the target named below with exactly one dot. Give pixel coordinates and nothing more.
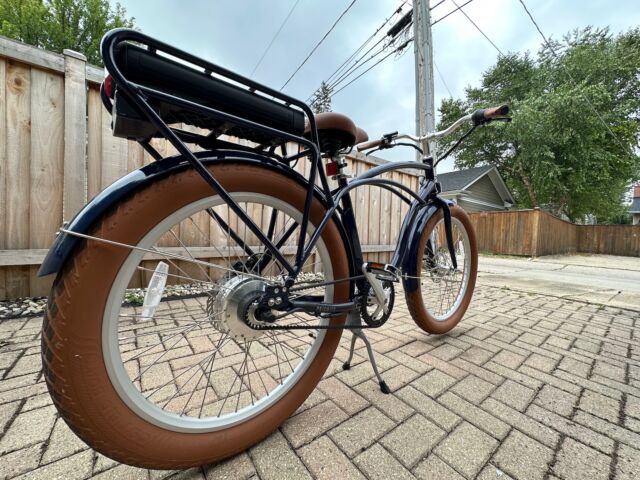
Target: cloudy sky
(235, 33)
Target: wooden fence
(536, 233)
(57, 152)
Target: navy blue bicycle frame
(337, 201)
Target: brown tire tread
(72, 359)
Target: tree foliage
(557, 153)
(321, 101)
(58, 24)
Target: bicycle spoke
(215, 372)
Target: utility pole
(423, 49)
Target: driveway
(604, 279)
(528, 386)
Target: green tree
(557, 154)
(321, 101)
(59, 24)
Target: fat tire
(415, 301)
(72, 353)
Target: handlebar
(370, 144)
(485, 115)
(478, 117)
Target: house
(477, 189)
(635, 206)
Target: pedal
(384, 271)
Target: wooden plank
(94, 143)
(536, 233)
(25, 257)
(75, 134)
(135, 156)
(33, 256)
(3, 168)
(395, 213)
(621, 240)
(114, 153)
(46, 168)
(358, 200)
(374, 220)
(18, 155)
(385, 221)
(30, 55)
(95, 75)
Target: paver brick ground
(527, 386)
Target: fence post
(75, 133)
(535, 231)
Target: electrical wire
(341, 72)
(400, 48)
(398, 10)
(451, 12)
(273, 39)
(575, 84)
(442, 78)
(318, 44)
(477, 27)
(353, 67)
(357, 65)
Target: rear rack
(182, 88)
(148, 102)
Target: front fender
(93, 211)
(412, 243)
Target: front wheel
(185, 382)
(444, 293)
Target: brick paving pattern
(526, 387)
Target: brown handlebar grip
(370, 144)
(496, 112)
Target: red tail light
(108, 86)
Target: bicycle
(272, 259)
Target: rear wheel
(444, 293)
(184, 382)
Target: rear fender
(64, 244)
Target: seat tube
(349, 221)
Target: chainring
(368, 302)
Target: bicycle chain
(303, 327)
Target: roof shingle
(452, 181)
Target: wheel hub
(233, 308)
(441, 266)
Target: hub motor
(233, 308)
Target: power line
(451, 12)
(356, 65)
(400, 48)
(442, 78)
(273, 39)
(477, 27)
(347, 73)
(339, 71)
(318, 44)
(575, 84)
(353, 67)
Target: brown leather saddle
(336, 132)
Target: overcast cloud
(234, 34)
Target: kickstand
(354, 319)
